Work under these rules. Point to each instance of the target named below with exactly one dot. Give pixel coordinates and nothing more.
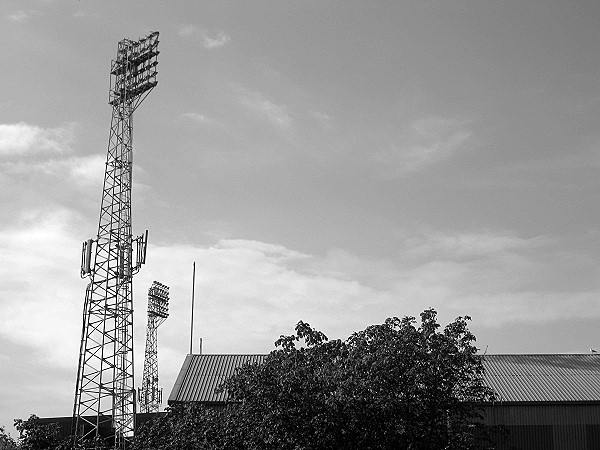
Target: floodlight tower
(105, 393)
(149, 395)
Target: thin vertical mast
(192, 321)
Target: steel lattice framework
(105, 395)
(149, 395)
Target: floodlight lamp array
(158, 300)
(134, 70)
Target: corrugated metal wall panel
(592, 436)
(571, 427)
(569, 437)
(527, 414)
(526, 437)
(547, 437)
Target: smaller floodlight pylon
(150, 395)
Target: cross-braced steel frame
(105, 402)
(149, 395)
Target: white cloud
(322, 118)
(40, 287)
(188, 30)
(86, 170)
(202, 119)
(424, 142)
(249, 292)
(208, 39)
(469, 244)
(531, 308)
(77, 170)
(84, 15)
(23, 14)
(22, 138)
(274, 252)
(572, 160)
(275, 114)
(259, 290)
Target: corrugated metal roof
(544, 378)
(514, 378)
(202, 374)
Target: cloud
(22, 138)
(84, 15)
(423, 143)
(273, 252)
(208, 39)
(498, 277)
(23, 15)
(322, 118)
(573, 162)
(264, 288)
(574, 168)
(80, 170)
(469, 244)
(41, 299)
(202, 119)
(275, 114)
(40, 283)
(249, 292)
(86, 170)
(44, 392)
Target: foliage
(6, 441)
(394, 385)
(34, 436)
(184, 427)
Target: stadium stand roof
(560, 378)
(544, 378)
(202, 374)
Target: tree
(6, 441)
(190, 426)
(33, 436)
(36, 436)
(395, 385)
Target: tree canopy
(401, 384)
(34, 436)
(6, 441)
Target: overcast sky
(332, 162)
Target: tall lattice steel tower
(105, 394)
(149, 395)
